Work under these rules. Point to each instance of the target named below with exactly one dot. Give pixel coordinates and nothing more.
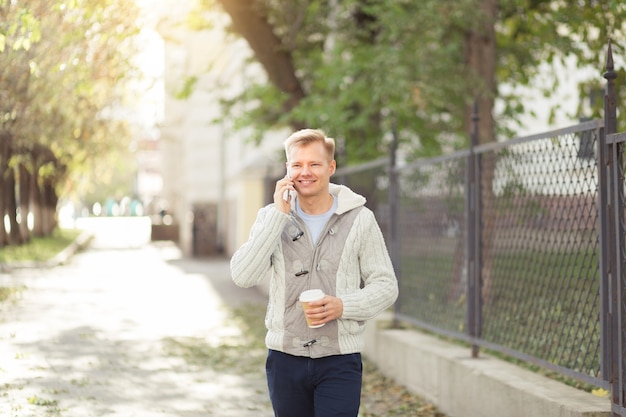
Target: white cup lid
(311, 295)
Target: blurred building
(212, 175)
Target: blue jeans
(323, 387)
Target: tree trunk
(4, 166)
(36, 196)
(480, 58)
(37, 209)
(50, 200)
(24, 180)
(11, 207)
(248, 20)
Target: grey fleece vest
(308, 267)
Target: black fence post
(604, 257)
(474, 224)
(614, 345)
(610, 97)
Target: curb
(82, 241)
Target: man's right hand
(282, 186)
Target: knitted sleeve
(380, 286)
(250, 264)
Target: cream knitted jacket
(350, 261)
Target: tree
(62, 71)
(18, 30)
(359, 64)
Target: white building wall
(206, 162)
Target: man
(316, 235)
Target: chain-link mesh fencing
(539, 247)
(540, 250)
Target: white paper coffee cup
(305, 298)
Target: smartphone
(286, 195)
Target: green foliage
(367, 64)
(536, 37)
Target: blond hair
(307, 136)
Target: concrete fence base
(446, 375)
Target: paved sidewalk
(89, 338)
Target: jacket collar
(346, 198)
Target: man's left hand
(325, 310)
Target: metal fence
(516, 246)
(538, 245)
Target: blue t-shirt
(316, 222)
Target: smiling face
(310, 168)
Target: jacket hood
(346, 198)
